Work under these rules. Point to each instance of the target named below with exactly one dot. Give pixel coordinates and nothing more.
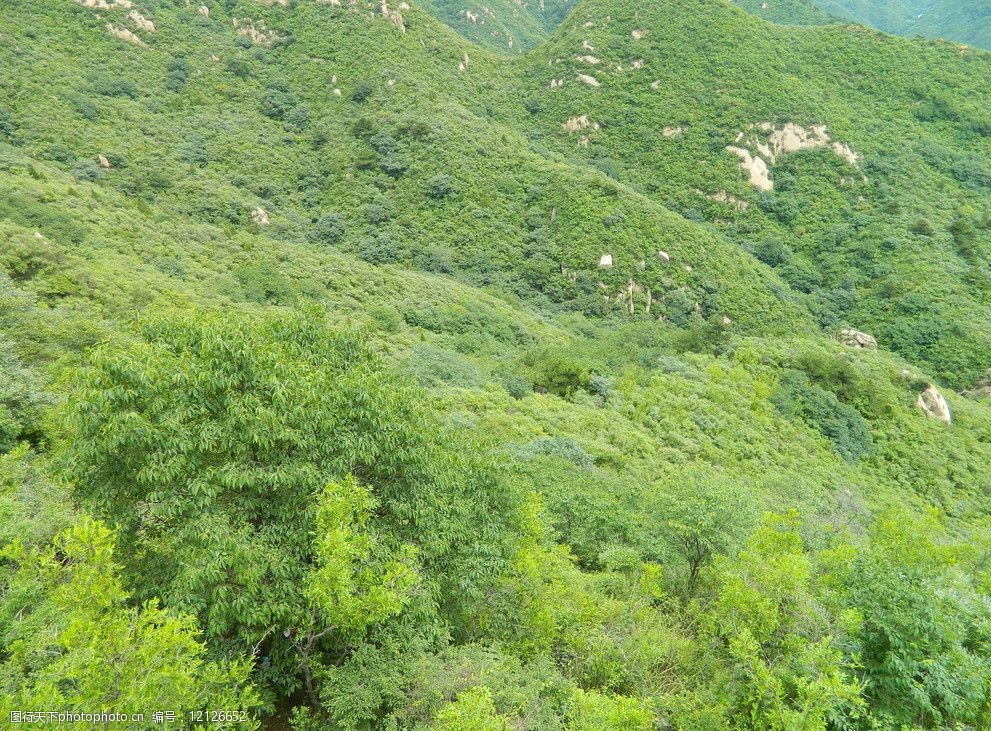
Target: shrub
(194, 150)
(433, 366)
(105, 85)
(62, 154)
(386, 318)
(263, 282)
(277, 102)
(679, 304)
(178, 73)
(85, 107)
(377, 211)
(561, 447)
(840, 423)
(329, 228)
(772, 252)
(383, 143)
(299, 117)
(238, 67)
(378, 248)
(20, 400)
(7, 125)
(88, 170)
(394, 165)
(362, 91)
(557, 372)
(440, 186)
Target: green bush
(194, 150)
(843, 425)
(362, 90)
(8, 127)
(88, 170)
(557, 372)
(440, 186)
(178, 73)
(329, 228)
(278, 101)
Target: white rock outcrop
(761, 145)
(124, 34)
(933, 404)
(575, 124)
(106, 4)
(141, 21)
(857, 339)
(605, 261)
(755, 167)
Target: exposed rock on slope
(857, 339)
(124, 34)
(933, 404)
(763, 144)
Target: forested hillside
(788, 12)
(507, 26)
(964, 21)
(357, 376)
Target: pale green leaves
(355, 583)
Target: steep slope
(788, 12)
(880, 215)
(508, 26)
(410, 177)
(966, 21)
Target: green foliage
(8, 127)
(704, 514)
(593, 711)
(278, 101)
(329, 228)
(440, 186)
(472, 711)
(822, 410)
(70, 638)
(787, 670)
(545, 533)
(362, 90)
(21, 400)
(925, 632)
(961, 20)
(557, 372)
(194, 150)
(347, 585)
(179, 70)
(213, 485)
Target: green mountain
(357, 375)
(508, 26)
(788, 12)
(964, 21)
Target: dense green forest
(356, 374)
(789, 12)
(966, 21)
